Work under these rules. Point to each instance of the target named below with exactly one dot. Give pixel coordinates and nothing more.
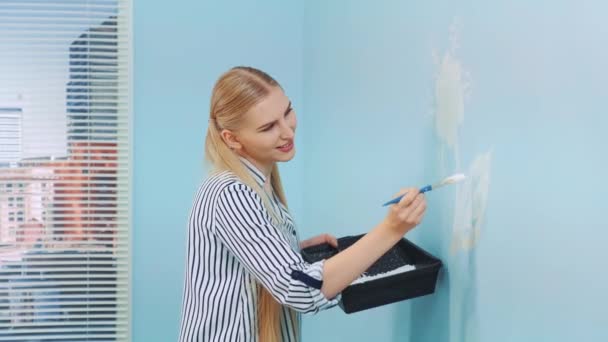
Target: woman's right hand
(408, 213)
(340, 270)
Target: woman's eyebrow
(271, 122)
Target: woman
(245, 278)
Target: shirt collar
(254, 171)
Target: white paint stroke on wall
(471, 202)
(452, 87)
(452, 91)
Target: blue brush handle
(397, 199)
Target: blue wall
(180, 50)
(523, 263)
(371, 83)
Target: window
(65, 113)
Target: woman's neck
(266, 170)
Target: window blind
(65, 144)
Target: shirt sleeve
(243, 225)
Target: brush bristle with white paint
(459, 177)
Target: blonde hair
(234, 93)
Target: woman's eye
(289, 111)
(268, 128)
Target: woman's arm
(343, 268)
(244, 227)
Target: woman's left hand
(320, 239)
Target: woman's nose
(287, 132)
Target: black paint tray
(373, 293)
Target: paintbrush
(448, 180)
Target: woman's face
(268, 132)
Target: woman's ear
(231, 139)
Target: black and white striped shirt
(233, 246)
